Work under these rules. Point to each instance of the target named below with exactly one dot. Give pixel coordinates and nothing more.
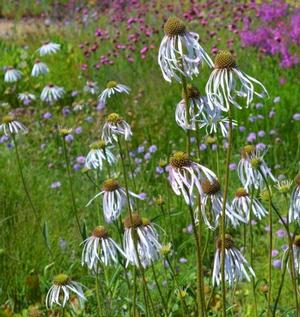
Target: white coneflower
(180, 51)
(196, 104)
(99, 152)
(12, 75)
(11, 126)
(213, 196)
(100, 247)
(227, 81)
(59, 292)
(39, 68)
(213, 120)
(296, 250)
(141, 244)
(114, 199)
(26, 98)
(112, 87)
(91, 87)
(252, 166)
(51, 93)
(241, 204)
(185, 174)
(294, 210)
(48, 48)
(236, 266)
(114, 126)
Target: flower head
(180, 52)
(236, 266)
(12, 75)
(39, 68)
(112, 87)
(227, 82)
(114, 126)
(51, 93)
(185, 175)
(141, 243)
(11, 126)
(59, 292)
(100, 247)
(294, 210)
(114, 199)
(48, 48)
(98, 153)
(26, 98)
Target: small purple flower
(202, 147)
(275, 252)
(260, 117)
(4, 138)
(284, 247)
(296, 116)
(141, 149)
(142, 196)
(272, 113)
(251, 137)
(280, 233)
(159, 170)
(78, 130)
(66, 111)
(183, 260)
(214, 147)
(62, 244)
(89, 119)
(277, 264)
(189, 229)
(69, 138)
(47, 115)
(147, 156)
(261, 133)
(242, 128)
(253, 222)
(267, 228)
(80, 159)
(276, 99)
(259, 105)
(138, 160)
(152, 148)
(252, 119)
(232, 166)
(76, 167)
(74, 93)
(55, 184)
(260, 146)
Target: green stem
(159, 290)
(99, 305)
(35, 212)
(75, 212)
(251, 250)
(270, 243)
(187, 110)
(225, 194)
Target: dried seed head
(264, 288)
(224, 59)
(210, 188)
(229, 243)
(297, 179)
(61, 279)
(98, 145)
(297, 241)
(111, 84)
(241, 192)
(174, 27)
(192, 92)
(136, 221)
(8, 119)
(110, 185)
(114, 118)
(247, 150)
(100, 232)
(180, 159)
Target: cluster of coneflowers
(180, 58)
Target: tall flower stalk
(63, 133)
